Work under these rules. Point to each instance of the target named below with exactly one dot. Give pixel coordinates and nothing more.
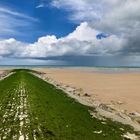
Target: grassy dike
(49, 113)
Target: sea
(105, 69)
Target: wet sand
(120, 88)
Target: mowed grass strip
(9, 126)
(55, 116)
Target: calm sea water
(49, 66)
(89, 68)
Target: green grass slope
(52, 115)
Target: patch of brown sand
(1, 72)
(120, 89)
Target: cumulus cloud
(11, 48)
(82, 42)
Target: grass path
(31, 109)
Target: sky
(70, 32)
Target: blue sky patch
(47, 20)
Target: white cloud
(40, 6)
(83, 10)
(82, 42)
(88, 10)
(83, 33)
(11, 48)
(11, 12)
(122, 17)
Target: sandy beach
(4, 72)
(118, 88)
(1, 71)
